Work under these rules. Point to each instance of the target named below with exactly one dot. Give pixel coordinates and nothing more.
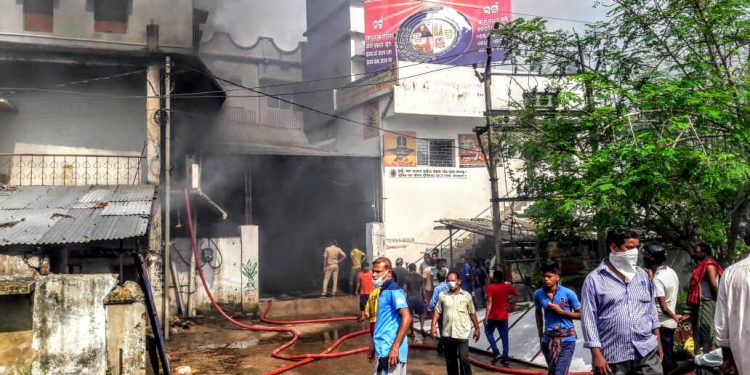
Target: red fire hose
(303, 359)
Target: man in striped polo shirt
(619, 319)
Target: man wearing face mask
(393, 321)
(619, 319)
(455, 309)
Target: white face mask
(625, 262)
(379, 281)
(452, 285)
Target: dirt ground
(212, 346)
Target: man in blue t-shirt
(556, 307)
(394, 319)
(467, 277)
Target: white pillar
(375, 241)
(250, 267)
(152, 176)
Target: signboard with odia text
(451, 32)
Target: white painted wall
(73, 25)
(225, 282)
(85, 124)
(431, 89)
(70, 324)
(411, 205)
(436, 102)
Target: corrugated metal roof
(132, 193)
(142, 208)
(25, 226)
(523, 230)
(73, 214)
(98, 193)
(83, 226)
(23, 197)
(60, 198)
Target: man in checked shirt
(619, 319)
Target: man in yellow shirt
(356, 256)
(371, 309)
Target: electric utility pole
(490, 156)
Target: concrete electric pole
(490, 156)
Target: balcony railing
(70, 170)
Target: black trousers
(667, 344)
(457, 356)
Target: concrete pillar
(126, 330)
(152, 177)
(153, 129)
(375, 240)
(69, 324)
(250, 268)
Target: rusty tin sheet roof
(51, 215)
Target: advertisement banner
(450, 32)
(400, 150)
(469, 153)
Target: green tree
(651, 127)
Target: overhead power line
(315, 110)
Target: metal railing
(70, 170)
(460, 238)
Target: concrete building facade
(83, 110)
(418, 120)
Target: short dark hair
(549, 267)
(385, 261)
(617, 236)
(452, 273)
(364, 264)
(412, 267)
(706, 248)
(498, 275)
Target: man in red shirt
(496, 317)
(364, 285)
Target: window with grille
(436, 152)
(37, 15)
(276, 87)
(111, 16)
(541, 100)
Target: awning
(523, 229)
(50, 215)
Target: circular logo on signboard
(438, 34)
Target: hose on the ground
(303, 359)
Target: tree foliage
(651, 128)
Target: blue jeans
(479, 297)
(563, 360)
(502, 327)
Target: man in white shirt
(732, 317)
(666, 286)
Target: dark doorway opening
(299, 203)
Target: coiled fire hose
(303, 359)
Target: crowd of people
(628, 312)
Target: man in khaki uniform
(332, 256)
(456, 309)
